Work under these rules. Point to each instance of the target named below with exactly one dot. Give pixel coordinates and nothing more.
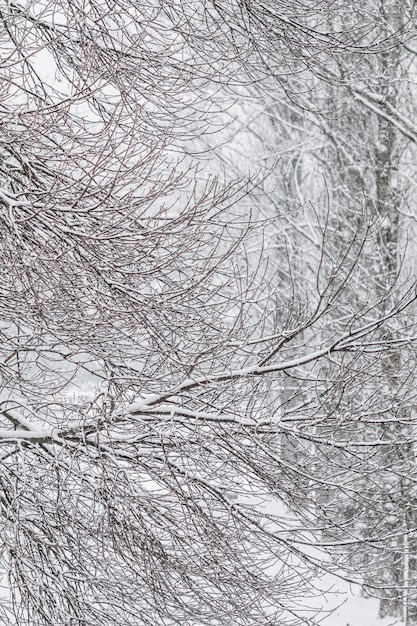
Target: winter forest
(208, 311)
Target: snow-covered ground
(338, 602)
(353, 609)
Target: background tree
(345, 154)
